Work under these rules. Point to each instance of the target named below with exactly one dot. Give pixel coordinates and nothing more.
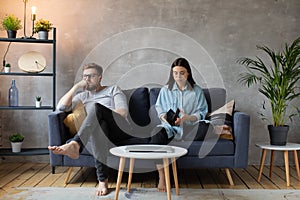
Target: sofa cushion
(215, 98)
(74, 120)
(213, 147)
(139, 104)
(222, 120)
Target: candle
(33, 13)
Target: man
(111, 98)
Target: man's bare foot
(102, 188)
(161, 187)
(70, 149)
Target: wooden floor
(39, 175)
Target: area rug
(87, 193)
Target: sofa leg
(68, 175)
(53, 170)
(229, 176)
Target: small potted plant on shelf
(7, 68)
(11, 24)
(38, 101)
(42, 27)
(278, 80)
(16, 142)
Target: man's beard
(92, 87)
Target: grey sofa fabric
(223, 153)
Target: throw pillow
(222, 120)
(74, 120)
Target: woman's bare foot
(70, 149)
(102, 188)
(161, 187)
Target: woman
(180, 92)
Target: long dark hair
(182, 62)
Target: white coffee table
(286, 148)
(163, 152)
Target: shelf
(24, 152)
(27, 40)
(25, 108)
(25, 74)
(31, 106)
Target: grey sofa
(220, 153)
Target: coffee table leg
(175, 175)
(297, 163)
(271, 163)
(130, 174)
(167, 177)
(262, 162)
(119, 180)
(286, 164)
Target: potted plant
(278, 81)
(11, 24)
(42, 27)
(16, 142)
(38, 101)
(7, 68)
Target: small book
(172, 116)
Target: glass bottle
(13, 96)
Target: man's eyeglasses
(88, 76)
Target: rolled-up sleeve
(119, 99)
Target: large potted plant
(277, 80)
(11, 24)
(16, 142)
(42, 27)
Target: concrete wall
(136, 41)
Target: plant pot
(278, 134)
(16, 146)
(38, 104)
(11, 34)
(6, 69)
(43, 35)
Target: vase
(11, 34)
(16, 147)
(38, 104)
(278, 134)
(43, 35)
(6, 69)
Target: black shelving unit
(32, 151)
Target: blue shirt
(191, 102)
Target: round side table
(163, 152)
(286, 148)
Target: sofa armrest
(241, 129)
(57, 132)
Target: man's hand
(81, 84)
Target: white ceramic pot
(16, 147)
(6, 69)
(43, 35)
(38, 104)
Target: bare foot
(70, 149)
(102, 188)
(161, 187)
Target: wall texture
(136, 41)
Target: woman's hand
(184, 117)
